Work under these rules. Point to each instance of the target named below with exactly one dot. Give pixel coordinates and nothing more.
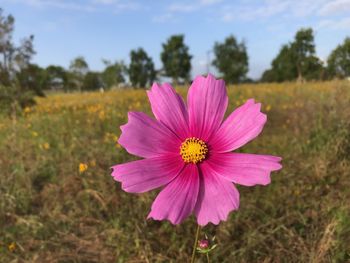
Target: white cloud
(167, 17)
(105, 2)
(248, 10)
(182, 8)
(194, 6)
(117, 5)
(131, 6)
(209, 2)
(335, 7)
(340, 24)
(68, 5)
(254, 10)
(87, 6)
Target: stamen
(193, 150)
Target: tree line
(20, 79)
(297, 60)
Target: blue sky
(109, 29)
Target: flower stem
(195, 243)
(208, 260)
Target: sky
(109, 29)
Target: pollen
(193, 150)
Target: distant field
(52, 212)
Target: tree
(34, 78)
(283, 67)
(339, 60)
(92, 81)
(12, 58)
(314, 69)
(303, 49)
(176, 59)
(113, 74)
(7, 48)
(141, 69)
(296, 60)
(24, 53)
(57, 78)
(12, 98)
(15, 68)
(78, 69)
(231, 59)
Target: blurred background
(71, 70)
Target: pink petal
(217, 197)
(242, 126)
(147, 174)
(146, 137)
(177, 200)
(169, 108)
(245, 169)
(207, 103)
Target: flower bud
(203, 244)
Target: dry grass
(54, 213)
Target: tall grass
(55, 213)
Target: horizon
(64, 29)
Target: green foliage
(28, 82)
(114, 74)
(302, 49)
(13, 99)
(78, 69)
(79, 66)
(57, 78)
(19, 79)
(343, 236)
(176, 59)
(231, 59)
(339, 60)
(13, 58)
(296, 60)
(282, 69)
(92, 81)
(141, 69)
(7, 48)
(33, 78)
(24, 53)
(313, 69)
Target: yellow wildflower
(83, 167)
(12, 246)
(46, 146)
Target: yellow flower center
(193, 150)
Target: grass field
(52, 211)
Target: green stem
(208, 260)
(195, 243)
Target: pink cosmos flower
(188, 151)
